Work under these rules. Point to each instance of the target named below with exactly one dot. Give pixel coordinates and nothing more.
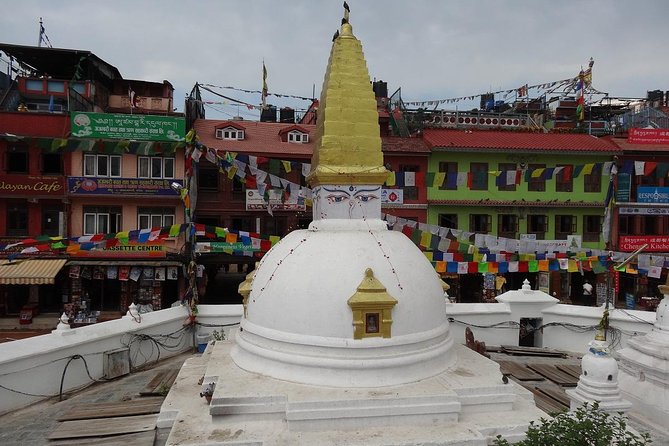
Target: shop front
(103, 289)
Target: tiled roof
(403, 145)
(505, 140)
(294, 127)
(260, 139)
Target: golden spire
(348, 141)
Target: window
(410, 192)
(51, 221)
(625, 225)
(102, 166)
(536, 184)
(238, 189)
(448, 221)
(564, 225)
(563, 180)
(505, 169)
(55, 86)
(593, 181)
(155, 167)
(479, 173)
(154, 217)
(592, 227)
(17, 218)
(507, 225)
(52, 164)
(34, 84)
(101, 219)
(650, 224)
(79, 87)
(451, 171)
(537, 224)
(480, 223)
(17, 159)
(207, 179)
(229, 133)
(298, 137)
(243, 224)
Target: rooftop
(505, 140)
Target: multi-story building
(87, 155)
(519, 185)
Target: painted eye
(366, 198)
(337, 198)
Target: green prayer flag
(533, 266)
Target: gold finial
(348, 141)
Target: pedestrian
(587, 294)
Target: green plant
(586, 426)
(163, 389)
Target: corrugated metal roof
(30, 272)
(496, 140)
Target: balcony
(153, 105)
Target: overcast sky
(431, 49)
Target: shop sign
(652, 195)
(120, 186)
(623, 190)
(648, 136)
(256, 202)
(133, 127)
(130, 250)
(643, 211)
(25, 185)
(656, 243)
(214, 247)
(392, 196)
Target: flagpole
(39, 42)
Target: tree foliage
(586, 426)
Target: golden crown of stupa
(348, 142)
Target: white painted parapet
(31, 369)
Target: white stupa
(345, 338)
(644, 369)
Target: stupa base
(466, 405)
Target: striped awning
(30, 271)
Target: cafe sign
(132, 127)
(33, 186)
(256, 202)
(120, 186)
(652, 195)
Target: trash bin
(26, 314)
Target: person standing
(587, 294)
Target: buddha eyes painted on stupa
(346, 201)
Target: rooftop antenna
(42, 35)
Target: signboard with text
(256, 202)
(130, 250)
(652, 194)
(643, 211)
(656, 243)
(120, 186)
(134, 127)
(648, 136)
(204, 247)
(392, 196)
(623, 190)
(25, 185)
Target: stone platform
(467, 405)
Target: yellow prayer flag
(425, 239)
(286, 166)
(390, 181)
(232, 171)
(439, 178)
(537, 173)
(587, 169)
(429, 255)
(572, 267)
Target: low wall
(563, 327)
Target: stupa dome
(300, 326)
